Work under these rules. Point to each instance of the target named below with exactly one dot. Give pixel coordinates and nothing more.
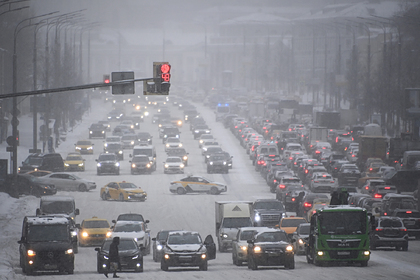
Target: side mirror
(97, 249)
(154, 239)
(78, 226)
(114, 221)
(77, 211)
(38, 212)
(147, 221)
(96, 160)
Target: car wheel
(291, 264)
(405, 247)
(252, 264)
(203, 266)
(163, 266)
(364, 263)
(214, 191)
(82, 188)
(36, 192)
(180, 190)
(104, 196)
(118, 172)
(121, 197)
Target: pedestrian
(298, 200)
(114, 258)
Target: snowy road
(170, 211)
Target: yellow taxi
(122, 191)
(84, 147)
(38, 173)
(94, 231)
(74, 162)
(290, 224)
(317, 204)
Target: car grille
(343, 255)
(338, 243)
(266, 218)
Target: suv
(411, 220)
(389, 232)
(58, 205)
(51, 162)
(392, 201)
(141, 164)
(107, 163)
(46, 244)
(97, 130)
(115, 148)
(170, 132)
(268, 212)
(179, 152)
(149, 151)
(217, 162)
(349, 174)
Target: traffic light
(106, 80)
(162, 77)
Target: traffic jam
(331, 194)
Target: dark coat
(113, 250)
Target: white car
(322, 182)
(133, 229)
(173, 165)
(205, 137)
(68, 182)
(172, 142)
(196, 184)
(207, 144)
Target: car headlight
(132, 142)
(224, 235)
(257, 217)
(205, 149)
(117, 164)
(69, 251)
(201, 141)
(207, 156)
(180, 145)
(148, 139)
(103, 132)
(165, 136)
(185, 158)
(135, 257)
(138, 239)
(31, 253)
(106, 145)
(148, 165)
(133, 165)
(166, 165)
(167, 145)
(211, 163)
(159, 247)
(207, 131)
(90, 132)
(289, 248)
(257, 249)
(81, 164)
(179, 122)
(98, 165)
(108, 234)
(244, 248)
(85, 234)
(78, 148)
(196, 131)
(181, 165)
(300, 241)
(66, 164)
(120, 152)
(89, 148)
(203, 256)
(224, 163)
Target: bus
(339, 233)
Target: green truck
(339, 233)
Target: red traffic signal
(165, 75)
(106, 79)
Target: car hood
(185, 247)
(132, 234)
(73, 161)
(134, 191)
(176, 164)
(265, 211)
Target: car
(169, 131)
(141, 164)
(38, 173)
(106, 124)
(158, 243)
(107, 163)
(179, 152)
(135, 230)
(68, 182)
(131, 257)
(240, 244)
(196, 184)
(318, 203)
(144, 138)
(122, 191)
(270, 247)
(348, 174)
(113, 139)
(322, 182)
(173, 165)
(268, 212)
(307, 202)
(115, 148)
(128, 123)
(211, 150)
(176, 121)
(411, 220)
(31, 185)
(128, 140)
(299, 236)
(115, 115)
(200, 130)
(93, 231)
(217, 163)
(379, 191)
(389, 232)
(290, 224)
(370, 184)
(74, 162)
(208, 143)
(49, 162)
(187, 249)
(172, 142)
(84, 147)
(97, 130)
(204, 137)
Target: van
(149, 151)
(409, 160)
(51, 205)
(51, 162)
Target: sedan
(322, 182)
(196, 184)
(129, 252)
(68, 182)
(122, 191)
(84, 147)
(172, 143)
(173, 165)
(134, 230)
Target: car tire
(36, 193)
(214, 191)
(163, 266)
(180, 191)
(204, 266)
(82, 188)
(291, 264)
(405, 247)
(252, 264)
(364, 263)
(121, 197)
(104, 196)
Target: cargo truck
(230, 216)
(371, 147)
(317, 134)
(328, 119)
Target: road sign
(123, 88)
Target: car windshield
(128, 186)
(74, 157)
(114, 146)
(130, 217)
(214, 149)
(125, 245)
(391, 223)
(184, 238)
(247, 234)
(127, 228)
(140, 159)
(57, 207)
(129, 137)
(113, 139)
(236, 222)
(268, 205)
(143, 135)
(110, 157)
(408, 214)
(217, 158)
(173, 160)
(84, 143)
(45, 232)
(304, 230)
(173, 140)
(96, 224)
(36, 161)
(271, 237)
(291, 180)
(147, 152)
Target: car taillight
(387, 188)
(370, 169)
(353, 155)
(317, 152)
(379, 229)
(290, 158)
(332, 181)
(403, 229)
(316, 181)
(293, 199)
(367, 187)
(377, 195)
(306, 171)
(282, 186)
(385, 214)
(408, 212)
(307, 205)
(275, 181)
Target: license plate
(343, 253)
(410, 223)
(50, 266)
